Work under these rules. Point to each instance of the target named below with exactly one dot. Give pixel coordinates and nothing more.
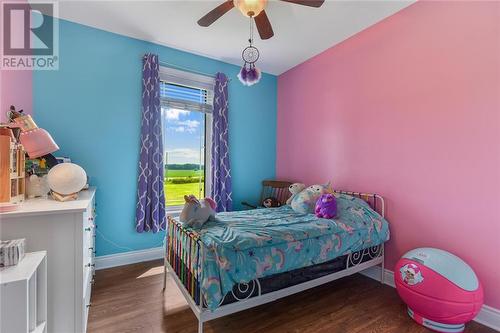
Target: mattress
(247, 245)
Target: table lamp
(36, 141)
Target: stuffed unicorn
(196, 212)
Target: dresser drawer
(89, 215)
(88, 281)
(88, 257)
(88, 267)
(88, 245)
(88, 224)
(88, 242)
(87, 293)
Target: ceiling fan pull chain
(250, 40)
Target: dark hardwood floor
(130, 299)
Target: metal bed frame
(188, 275)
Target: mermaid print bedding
(245, 245)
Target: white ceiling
(300, 32)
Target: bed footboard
(184, 254)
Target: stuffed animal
(326, 206)
(271, 202)
(196, 212)
(305, 201)
(37, 186)
(295, 189)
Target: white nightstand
(23, 295)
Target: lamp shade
(250, 8)
(37, 142)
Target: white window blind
(182, 90)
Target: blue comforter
(255, 243)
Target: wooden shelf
(12, 171)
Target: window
(186, 101)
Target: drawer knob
(90, 265)
(89, 305)
(91, 219)
(88, 229)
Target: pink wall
(15, 89)
(409, 109)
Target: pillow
(305, 201)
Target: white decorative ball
(66, 178)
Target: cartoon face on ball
(411, 275)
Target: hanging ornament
(249, 73)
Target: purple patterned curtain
(150, 210)
(221, 170)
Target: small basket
(12, 251)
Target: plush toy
(305, 201)
(37, 186)
(196, 212)
(271, 202)
(326, 206)
(295, 189)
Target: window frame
(198, 81)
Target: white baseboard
(374, 273)
(126, 258)
(488, 316)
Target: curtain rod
(164, 63)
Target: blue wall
(92, 107)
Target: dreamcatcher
(249, 73)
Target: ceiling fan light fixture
(250, 8)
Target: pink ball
(442, 292)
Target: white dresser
(66, 230)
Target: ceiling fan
(253, 9)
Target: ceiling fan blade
(263, 25)
(310, 3)
(216, 13)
